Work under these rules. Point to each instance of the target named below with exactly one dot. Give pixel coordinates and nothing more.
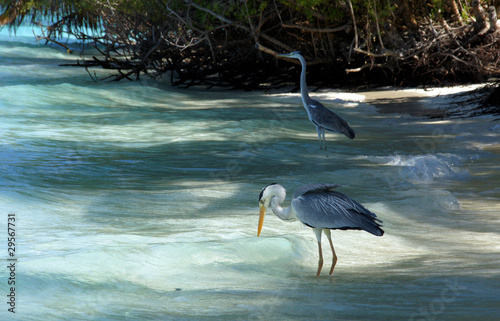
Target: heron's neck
(286, 214)
(303, 87)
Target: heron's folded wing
(327, 119)
(335, 210)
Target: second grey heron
(320, 208)
(323, 118)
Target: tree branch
(320, 30)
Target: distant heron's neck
(303, 87)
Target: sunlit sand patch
(416, 102)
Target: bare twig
(321, 30)
(367, 65)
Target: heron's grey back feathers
(327, 119)
(318, 206)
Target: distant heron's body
(322, 209)
(323, 118)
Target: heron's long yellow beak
(261, 218)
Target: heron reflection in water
(323, 118)
(320, 208)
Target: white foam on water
(426, 168)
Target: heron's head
(295, 54)
(265, 197)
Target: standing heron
(320, 208)
(322, 117)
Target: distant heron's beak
(261, 218)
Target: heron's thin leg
(318, 130)
(334, 258)
(324, 139)
(320, 261)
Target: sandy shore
(415, 102)
(388, 100)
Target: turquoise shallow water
(137, 201)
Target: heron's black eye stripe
(262, 192)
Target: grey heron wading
(320, 208)
(323, 118)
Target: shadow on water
(346, 295)
(75, 164)
(188, 171)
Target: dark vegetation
(232, 43)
